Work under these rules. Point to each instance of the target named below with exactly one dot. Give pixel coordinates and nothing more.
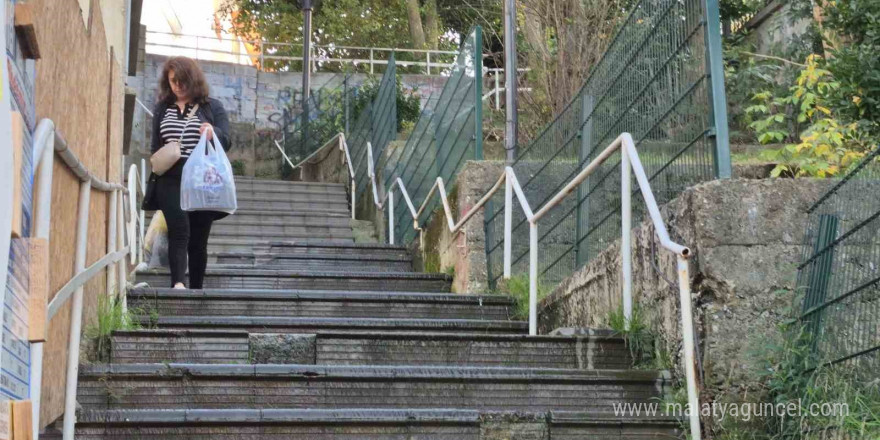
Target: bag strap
(189, 119)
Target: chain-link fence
(322, 116)
(376, 123)
(446, 135)
(840, 272)
(654, 82)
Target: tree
(364, 23)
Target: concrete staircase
(303, 334)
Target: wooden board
(39, 289)
(22, 420)
(17, 163)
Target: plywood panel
(76, 87)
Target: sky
(188, 19)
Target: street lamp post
(306, 6)
(510, 84)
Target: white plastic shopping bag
(207, 183)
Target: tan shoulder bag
(162, 160)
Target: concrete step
(268, 219)
(249, 278)
(249, 182)
(367, 424)
(194, 386)
(225, 244)
(401, 348)
(274, 204)
(319, 304)
(321, 262)
(297, 325)
(258, 231)
(294, 197)
(351, 249)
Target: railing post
(626, 234)
(111, 240)
(42, 226)
(583, 206)
(82, 237)
(143, 215)
(478, 93)
(497, 91)
(687, 330)
(390, 208)
(508, 223)
(429, 62)
(120, 245)
(371, 61)
(717, 95)
(533, 278)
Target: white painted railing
(137, 184)
(47, 144)
(630, 164)
(229, 50)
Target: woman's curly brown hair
(190, 77)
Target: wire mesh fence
(653, 82)
(840, 271)
(447, 134)
(376, 123)
(322, 116)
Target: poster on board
(6, 176)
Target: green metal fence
(376, 123)
(840, 270)
(446, 135)
(323, 115)
(661, 80)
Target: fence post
(717, 95)
(82, 239)
(371, 61)
(583, 206)
(478, 93)
(346, 103)
(820, 274)
(497, 91)
(429, 62)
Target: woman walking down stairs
(302, 333)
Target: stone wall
(746, 238)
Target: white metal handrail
(137, 185)
(47, 144)
(630, 164)
(264, 51)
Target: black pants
(187, 234)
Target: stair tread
(389, 372)
(325, 295)
(241, 270)
(349, 415)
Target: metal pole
(510, 78)
(626, 234)
(687, 331)
(307, 67)
(42, 225)
(533, 278)
(391, 215)
(429, 63)
(346, 104)
(717, 94)
(497, 91)
(82, 237)
(120, 244)
(583, 206)
(111, 242)
(371, 61)
(478, 93)
(508, 224)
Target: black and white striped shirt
(173, 124)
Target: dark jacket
(211, 112)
